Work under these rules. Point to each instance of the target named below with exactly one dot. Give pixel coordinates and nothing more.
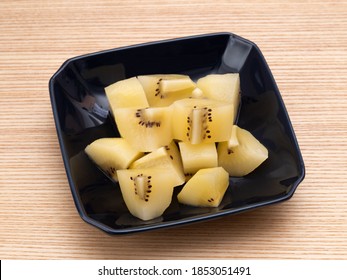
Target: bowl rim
(186, 220)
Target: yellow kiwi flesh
(202, 120)
(126, 93)
(167, 158)
(147, 192)
(145, 129)
(206, 188)
(198, 156)
(222, 87)
(111, 154)
(163, 90)
(242, 158)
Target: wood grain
(305, 45)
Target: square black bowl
(80, 110)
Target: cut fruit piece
(222, 87)
(240, 160)
(202, 120)
(126, 93)
(165, 158)
(233, 141)
(111, 154)
(163, 90)
(145, 129)
(147, 192)
(206, 188)
(195, 157)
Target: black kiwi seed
(171, 157)
(144, 122)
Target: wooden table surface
(305, 45)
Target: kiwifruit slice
(242, 158)
(197, 156)
(167, 158)
(202, 120)
(222, 87)
(126, 93)
(147, 192)
(163, 90)
(146, 129)
(206, 188)
(111, 154)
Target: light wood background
(305, 44)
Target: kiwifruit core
(142, 186)
(197, 121)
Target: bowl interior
(81, 113)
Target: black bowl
(81, 115)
